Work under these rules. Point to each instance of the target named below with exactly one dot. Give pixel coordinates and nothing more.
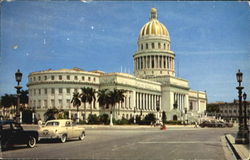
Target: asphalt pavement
(134, 143)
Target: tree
(150, 118)
(8, 100)
(88, 95)
(103, 98)
(51, 113)
(24, 96)
(115, 96)
(76, 103)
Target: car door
(69, 129)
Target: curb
(239, 150)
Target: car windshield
(52, 124)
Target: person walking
(40, 123)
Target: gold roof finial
(153, 14)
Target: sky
(211, 40)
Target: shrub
(93, 119)
(174, 122)
(104, 118)
(122, 121)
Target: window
(164, 45)
(68, 102)
(45, 103)
(146, 46)
(60, 77)
(52, 77)
(68, 77)
(39, 78)
(68, 90)
(39, 91)
(83, 78)
(34, 91)
(76, 78)
(234, 111)
(60, 90)
(94, 79)
(34, 78)
(141, 47)
(89, 79)
(39, 104)
(153, 45)
(45, 78)
(45, 91)
(52, 102)
(159, 45)
(52, 91)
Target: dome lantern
(153, 13)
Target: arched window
(175, 118)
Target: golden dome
(154, 27)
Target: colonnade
(157, 61)
(180, 99)
(146, 101)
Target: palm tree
(8, 100)
(50, 113)
(103, 98)
(115, 96)
(88, 95)
(76, 103)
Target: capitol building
(154, 83)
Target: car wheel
(63, 138)
(82, 136)
(31, 142)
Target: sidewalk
(241, 151)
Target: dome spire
(153, 13)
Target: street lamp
(245, 112)
(242, 135)
(18, 76)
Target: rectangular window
(45, 103)
(39, 91)
(94, 79)
(68, 102)
(60, 90)
(52, 91)
(89, 79)
(60, 103)
(76, 78)
(45, 78)
(39, 104)
(34, 91)
(68, 77)
(52, 102)
(60, 77)
(39, 78)
(52, 77)
(83, 78)
(68, 90)
(45, 91)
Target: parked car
(12, 133)
(214, 123)
(62, 129)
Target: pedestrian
(195, 124)
(40, 123)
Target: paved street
(133, 143)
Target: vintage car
(213, 123)
(61, 129)
(12, 133)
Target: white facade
(153, 80)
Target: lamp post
(158, 109)
(242, 136)
(134, 115)
(245, 112)
(18, 76)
